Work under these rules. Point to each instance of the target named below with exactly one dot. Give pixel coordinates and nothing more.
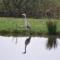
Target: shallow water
(36, 50)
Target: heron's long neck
(25, 19)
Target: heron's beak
(24, 14)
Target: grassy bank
(16, 26)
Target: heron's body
(26, 43)
(27, 25)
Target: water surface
(36, 50)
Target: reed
(52, 27)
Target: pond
(39, 48)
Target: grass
(38, 26)
(52, 27)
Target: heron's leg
(25, 50)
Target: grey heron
(26, 43)
(27, 25)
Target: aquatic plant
(52, 42)
(52, 27)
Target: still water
(38, 48)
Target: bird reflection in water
(52, 42)
(26, 43)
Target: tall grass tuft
(52, 27)
(52, 42)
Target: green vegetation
(15, 26)
(52, 27)
(33, 8)
(52, 42)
